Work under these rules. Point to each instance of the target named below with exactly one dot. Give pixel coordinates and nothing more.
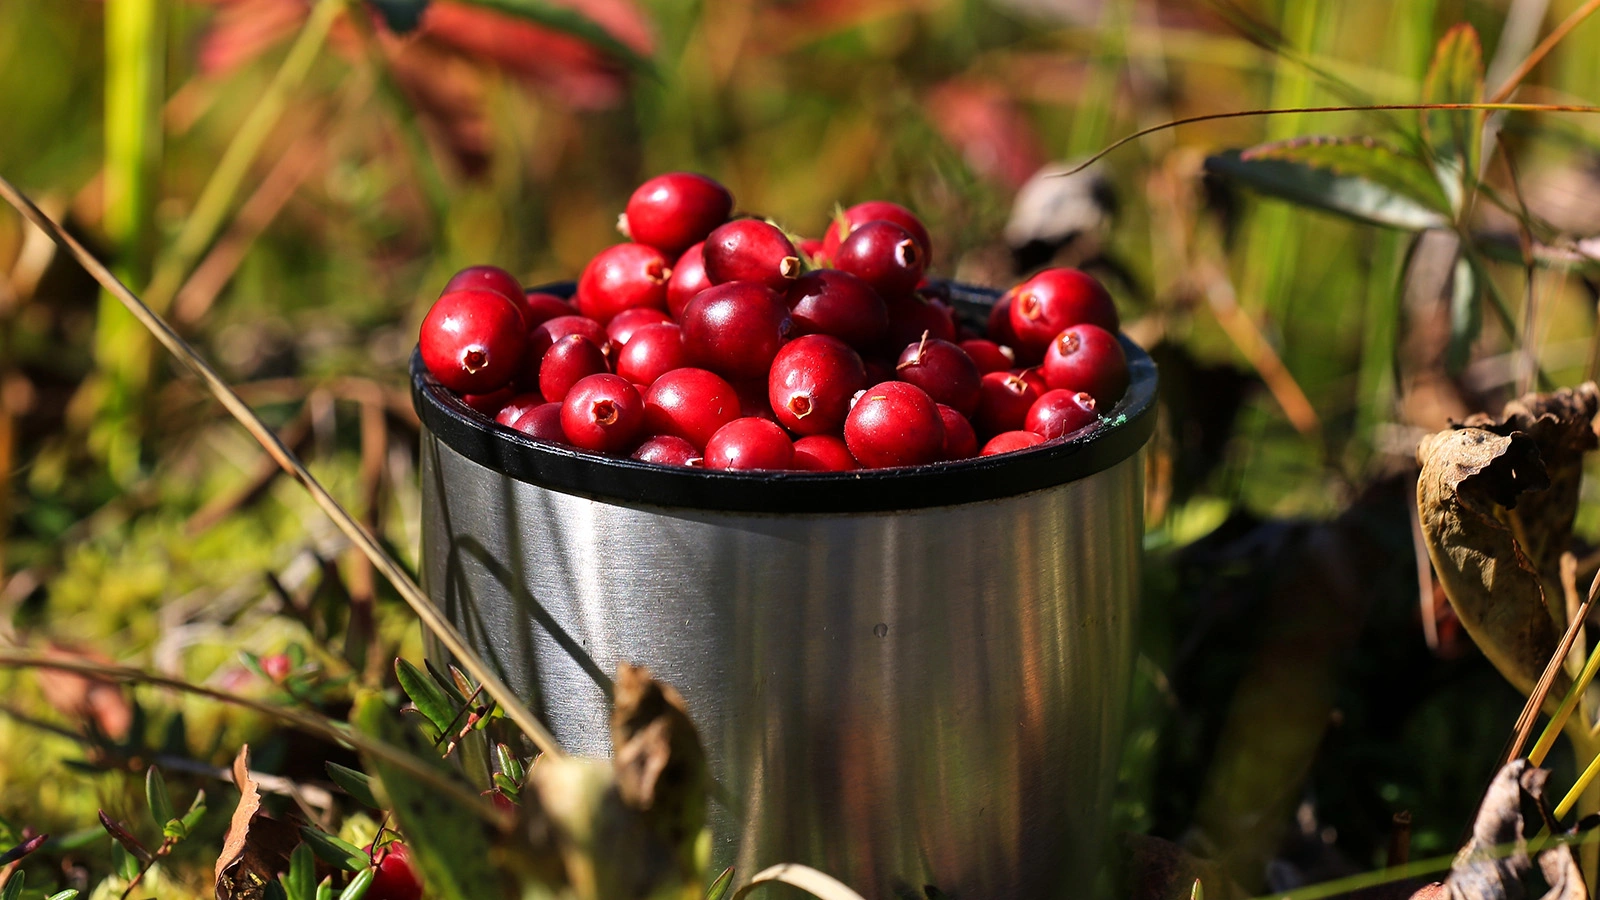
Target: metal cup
(902, 677)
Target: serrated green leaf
(333, 851)
(357, 888)
(1347, 195)
(719, 888)
(300, 882)
(1454, 76)
(13, 888)
(426, 695)
(68, 894)
(357, 784)
(448, 841)
(1360, 157)
(1466, 315)
(155, 791)
(570, 21)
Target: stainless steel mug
(902, 677)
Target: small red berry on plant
(393, 877)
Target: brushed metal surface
(926, 697)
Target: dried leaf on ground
(1512, 812)
(257, 848)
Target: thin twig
(1545, 46)
(1530, 710)
(392, 570)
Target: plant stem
(1553, 728)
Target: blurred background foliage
(293, 185)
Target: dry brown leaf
(1481, 871)
(659, 763)
(257, 848)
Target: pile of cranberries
(727, 344)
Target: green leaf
(155, 791)
(1368, 158)
(358, 885)
(357, 784)
(401, 16)
(197, 811)
(510, 766)
(426, 695)
(68, 894)
(333, 851)
(570, 21)
(448, 841)
(1466, 315)
(325, 889)
(300, 882)
(719, 888)
(1455, 76)
(1348, 195)
(125, 863)
(13, 888)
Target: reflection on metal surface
(926, 697)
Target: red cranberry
(911, 315)
(823, 453)
(561, 326)
(688, 278)
(690, 403)
(515, 407)
(989, 356)
(1060, 413)
(489, 404)
(895, 424)
(749, 443)
(884, 255)
(870, 211)
(1003, 402)
(473, 341)
(811, 383)
(626, 276)
(276, 666)
(602, 413)
(668, 450)
(829, 301)
(1007, 441)
(735, 329)
(672, 211)
(485, 278)
(751, 250)
(543, 423)
(812, 248)
(960, 441)
(1055, 299)
(622, 327)
(753, 402)
(394, 877)
(1087, 358)
(539, 308)
(653, 351)
(942, 369)
(999, 328)
(570, 360)
(1034, 376)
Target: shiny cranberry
(884, 255)
(1003, 402)
(749, 443)
(543, 423)
(653, 351)
(942, 369)
(393, 877)
(811, 383)
(735, 329)
(559, 327)
(911, 315)
(1087, 358)
(602, 413)
(568, 361)
(894, 424)
(489, 404)
(988, 356)
(672, 211)
(626, 276)
(473, 341)
(829, 301)
(1034, 376)
(625, 323)
(823, 453)
(688, 278)
(1055, 299)
(690, 403)
(812, 249)
(751, 250)
(872, 210)
(1008, 441)
(485, 278)
(668, 450)
(515, 407)
(960, 441)
(1059, 413)
(539, 308)
(999, 327)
